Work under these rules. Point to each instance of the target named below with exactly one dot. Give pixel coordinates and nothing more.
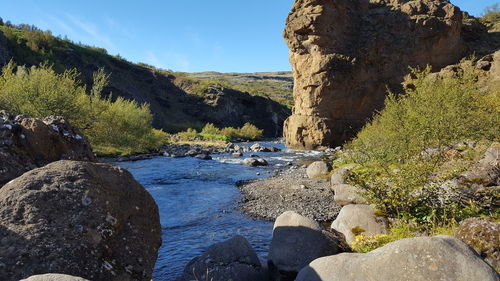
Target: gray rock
(415, 259)
(360, 218)
(339, 175)
(254, 162)
(203, 156)
(488, 168)
(78, 218)
(54, 277)
(317, 169)
(238, 154)
(296, 242)
(233, 259)
(345, 194)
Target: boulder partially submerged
(233, 259)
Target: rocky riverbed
(288, 190)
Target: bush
(113, 127)
(210, 132)
(400, 150)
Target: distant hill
(275, 85)
(177, 100)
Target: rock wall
(346, 53)
(27, 143)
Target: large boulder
(54, 277)
(483, 235)
(296, 242)
(345, 53)
(318, 169)
(233, 259)
(78, 218)
(415, 259)
(359, 219)
(28, 143)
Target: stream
(197, 200)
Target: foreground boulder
(54, 277)
(318, 169)
(483, 235)
(296, 242)
(414, 259)
(28, 143)
(345, 53)
(233, 259)
(359, 219)
(78, 218)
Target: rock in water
(28, 143)
(255, 162)
(344, 53)
(233, 259)
(297, 241)
(359, 219)
(78, 218)
(415, 259)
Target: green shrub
(210, 132)
(210, 129)
(113, 127)
(366, 243)
(400, 150)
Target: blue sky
(182, 35)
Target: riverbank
(288, 189)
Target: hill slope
(174, 105)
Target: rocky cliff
(346, 53)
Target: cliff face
(346, 53)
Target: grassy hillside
(174, 108)
(277, 86)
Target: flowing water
(197, 201)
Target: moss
(357, 230)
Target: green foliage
(366, 243)
(403, 147)
(210, 132)
(113, 127)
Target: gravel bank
(288, 190)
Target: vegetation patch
(401, 153)
(212, 133)
(113, 127)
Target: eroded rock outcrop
(28, 143)
(78, 218)
(345, 53)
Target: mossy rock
(482, 234)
